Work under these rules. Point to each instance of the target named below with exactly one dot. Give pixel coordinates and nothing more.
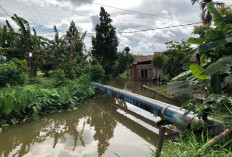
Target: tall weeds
(189, 143)
(18, 104)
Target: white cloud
(165, 13)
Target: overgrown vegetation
(67, 66)
(213, 56)
(14, 72)
(23, 103)
(189, 144)
(215, 65)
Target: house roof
(158, 53)
(139, 59)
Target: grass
(189, 143)
(161, 88)
(43, 82)
(123, 75)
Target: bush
(96, 72)
(14, 72)
(78, 71)
(30, 102)
(60, 77)
(167, 77)
(68, 70)
(33, 81)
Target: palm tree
(206, 17)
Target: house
(142, 69)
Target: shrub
(96, 72)
(68, 70)
(14, 72)
(167, 77)
(30, 102)
(33, 80)
(78, 71)
(60, 77)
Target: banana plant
(216, 44)
(3, 36)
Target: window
(143, 73)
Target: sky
(127, 16)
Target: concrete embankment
(169, 97)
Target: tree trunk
(198, 58)
(33, 72)
(214, 140)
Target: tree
(175, 57)
(105, 43)
(206, 17)
(158, 62)
(123, 61)
(74, 44)
(3, 39)
(26, 45)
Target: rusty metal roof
(139, 59)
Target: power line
(152, 29)
(32, 13)
(6, 13)
(132, 11)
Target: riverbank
(160, 90)
(189, 143)
(41, 96)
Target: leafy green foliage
(215, 51)
(30, 102)
(68, 70)
(123, 61)
(209, 46)
(189, 143)
(14, 72)
(182, 75)
(221, 104)
(217, 18)
(219, 65)
(197, 71)
(96, 72)
(158, 62)
(196, 40)
(226, 13)
(60, 77)
(175, 57)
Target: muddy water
(104, 126)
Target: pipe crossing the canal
(170, 113)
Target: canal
(104, 126)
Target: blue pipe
(166, 111)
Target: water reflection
(104, 126)
(18, 140)
(101, 127)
